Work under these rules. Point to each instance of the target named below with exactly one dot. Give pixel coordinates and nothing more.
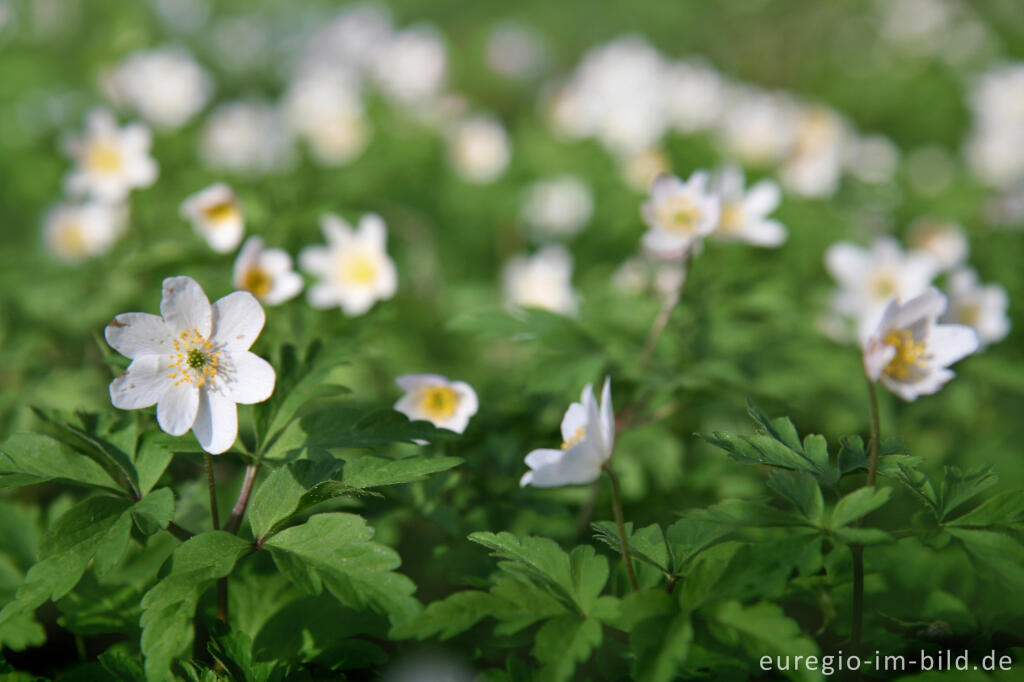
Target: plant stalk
(222, 584)
(857, 625)
(238, 511)
(627, 555)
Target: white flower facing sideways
(267, 274)
(909, 352)
(977, 305)
(588, 438)
(679, 214)
(110, 161)
(216, 215)
(193, 362)
(354, 268)
(433, 398)
(744, 213)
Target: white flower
(869, 279)
(433, 398)
(873, 159)
(560, 206)
(757, 127)
(588, 438)
(909, 352)
(478, 149)
(354, 268)
(216, 215)
(814, 165)
(266, 273)
(997, 134)
(166, 86)
(410, 68)
(515, 51)
(543, 280)
(326, 108)
(744, 214)
(110, 161)
(74, 232)
(977, 305)
(679, 214)
(693, 93)
(246, 137)
(639, 170)
(193, 362)
(943, 240)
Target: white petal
(287, 286)
(848, 263)
(336, 230)
(356, 301)
(223, 235)
(184, 306)
(575, 466)
(251, 378)
(316, 260)
(216, 425)
(323, 296)
(275, 261)
(409, 405)
(413, 382)
(877, 357)
(607, 415)
(176, 409)
(661, 244)
(929, 305)
(142, 384)
(664, 186)
(948, 343)
(575, 419)
(763, 198)
(766, 233)
(237, 320)
(248, 256)
(137, 334)
(373, 232)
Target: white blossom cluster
(995, 144)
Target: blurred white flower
(943, 240)
(559, 206)
(246, 137)
(694, 94)
(873, 159)
(411, 67)
(980, 306)
(266, 273)
(633, 276)
(354, 268)
(588, 438)
(353, 38)
(909, 352)
(165, 86)
(515, 51)
(997, 136)
(193, 362)
(543, 280)
(74, 232)
(478, 149)
(216, 215)
(869, 278)
(433, 398)
(744, 213)
(813, 165)
(756, 127)
(110, 161)
(639, 170)
(679, 214)
(326, 109)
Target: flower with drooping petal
(193, 362)
(909, 352)
(110, 161)
(744, 213)
(433, 398)
(217, 216)
(980, 306)
(943, 240)
(543, 280)
(354, 268)
(74, 232)
(679, 214)
(266, 273)
(588, 438)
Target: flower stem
(658, 328)
(875, 434)
(222, 584)
(627, 555)
(238, 511)
(857, 625)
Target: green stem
(222, 584)
(627, 555)
(856, 627)
(875, 434)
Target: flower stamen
(576, 437)
(910, 354)
(195, 360)
(439, 402)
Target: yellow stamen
(678, 214)
(195, 360)
(69, 239)
(910, 354)
(257, 281)
(439, 402)
(103, 157)
(883, 286)
(357, 268)
(732, 218)
(221, 211)
(575, 438)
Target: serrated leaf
(764, 629)
(647, 544)
(540, 560)
(1004, 510)
(660, 646)
(959, 486)
(690, 536)
(859, 503)
(642, 605)
(802, 490)
(562, 643)
(994, 553)
(30, 458)
(151, 459)
(450, 616)
(372, 472)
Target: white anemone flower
(267, 274)
(679, 214)
(543, 280)
(354, 268)
(559, 206)
(744, 213)
(75, 232)
(411, 67)
(909, 352)
(433, 398)
(588, 438)
(217, 216)
(165, 86)
(478, 149)
(325, 108)
(869, 278)
(110, 161)
(977, 305)
(944, 240)
(193, 362)
(246, 137)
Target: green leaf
(154, 511)
(450, 616)
(642, 605)
(688, 537)
(802, 490)
(335, 550)
(1004, 510)
(861, 536)
(562, 643)
(763, 629)
(151, 459)
(994, 553)
(65, 551)
(958, 486)
(373, 472)
(859, 503)
(660, 646)
(30, 458)
(647, 544)
(743, 513)
(540, 560)
(169, 607)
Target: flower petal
(251, 379)
(184, 306)
(176, 409)
(412, 382)
(948, 343)
(138, 334)
(287, 286)
(373, 232)
(575, 419)
(216, 425)
(607, 415)
(237, 320)
(763, 198)
(142, 384)
(248, 256)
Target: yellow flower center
(883, 286)
(70, 239)
(576, 437)
(103, 157)
(195, 360)
(732, 217)
(678, 214)
(439, 402)
(357, 268)
(969, 314)
(221, 211)
(257, 281)
(910, 354)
